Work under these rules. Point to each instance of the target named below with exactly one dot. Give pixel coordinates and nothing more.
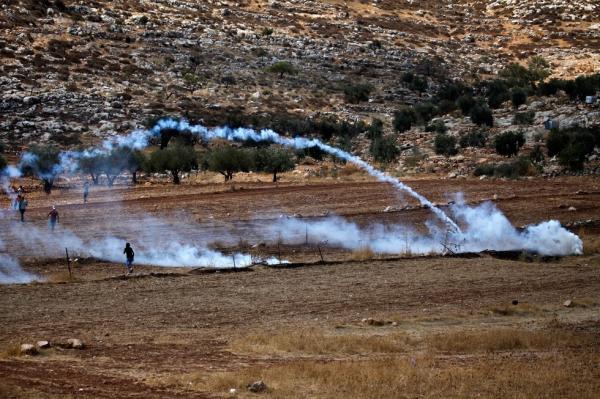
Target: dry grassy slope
(95, 68)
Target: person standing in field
(128, 251)
(22, 206)
(86, 191)
(53, 218)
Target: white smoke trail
(139, 139)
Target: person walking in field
(53, 218)
(128, 251)
(86, 191)
(22, 206)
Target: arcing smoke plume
(485, 226)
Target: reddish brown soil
(142, 330)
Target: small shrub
(426, 111)
(466, 103)
(282, 68)
(375, 129)
(509, 143)
(557, 141)
(476, 138)
(445, 107)
(485, 169)
(517, 168)
(445, 145)
(524, 118)
(355, 93)
(481, 115)
(404, 119)
(518, 96)
(537, 154)
(437, 126)
(384, 149)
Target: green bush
(282, 68)
(445, 107)
(573, 146)
(519, 167)
(384, 149)
(375, 129)
(537, 154)
(476, 138)
(466, 103)
(485, 169)
(557, 141)
(497, 92)
(518, 97)
(538, 68)
(509, 143)
(437, 126)
(481, 115)
(358, 92)
(404, 119)
(551, 87)
(516, 75)
(524, 118)
(573, 156)
(426, 111)
(445, 145)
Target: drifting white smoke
(10, 270)
(157, 243)
(484, 228)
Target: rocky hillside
(77, 71)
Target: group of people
(20, 203)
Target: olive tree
(273, 160)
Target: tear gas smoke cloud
(10, 270)
(485, 228)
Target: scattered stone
(232, 391)
(74, 343)
(572, 209)
(43, 344)
(257, 386)
(28, 349)
(373, 322)
(568, 303)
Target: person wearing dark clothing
(128, 251)
(86, 191)
(53, 218)
(22, 206)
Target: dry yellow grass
(11, 351)
(364, 253)
(591, 245)
(61, 277)
(316, 342)
(564, 376)
(522, 309)
(504, 340)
